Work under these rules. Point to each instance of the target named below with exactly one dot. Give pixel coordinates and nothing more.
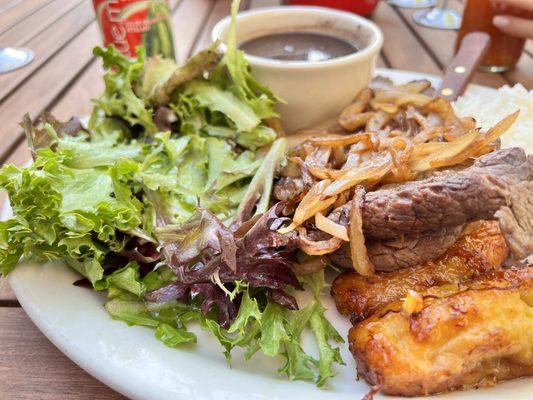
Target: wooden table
(65, 76)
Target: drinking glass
(439, 17)
(412, 3)
(504, 50)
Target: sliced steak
(446, 200)
(403, 252)
(516, 221)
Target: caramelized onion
(443, 108)
(317, 248)
(499, 129)
(451, 154)
(461, 151)
(356, 121)
(328, 226)
(377, 121)
(428, 134)
(338, 140)
(326, 173)
(350, 113)
(358, 252)
(400, 149)
(415, 86)
(398, 98)
(314, 201)
(375, 171)
(296, 139)
(424, 149)
(292, 169)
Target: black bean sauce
(298, 46)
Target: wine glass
(14, 57)
(441, 17)
(412, 3)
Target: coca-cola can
(127, 24)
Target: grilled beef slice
(417, 221)
(402, 252)
(516, 221)
(446, 200)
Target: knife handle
(461, 69)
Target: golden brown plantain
(461, 336)
(481, 250)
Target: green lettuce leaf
(299, 365)
(258, 97)
(126, 278)
(161, 77)
(273, 329)
(100, 151)
(216, 99)
(257, 194)
(65, 213)
(259, 136)
(261, 325)
(133, 312)
(172, 336)
(119, 99)
(225, 167)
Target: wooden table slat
(6, 294)
(46, 84)
(382, 63)
(439, 41)
(32, 368)
(47, 43)
(401, 47)
(187, 23)
(220, 10)
(7, 4)
(76, 99)
(19, 34)
(13, 15)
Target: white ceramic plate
(134, 363)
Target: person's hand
(514, 26)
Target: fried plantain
(481, 250)
(456, 337)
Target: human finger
(514, 26)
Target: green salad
(163, 201)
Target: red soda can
(127, 24)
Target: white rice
(489, 108)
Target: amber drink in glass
(505, 50)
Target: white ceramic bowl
(313, 91)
